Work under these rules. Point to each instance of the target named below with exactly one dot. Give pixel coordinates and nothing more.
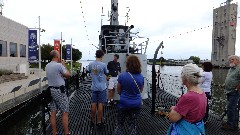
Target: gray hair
(234, 57)
(54, 54)
(191, 72)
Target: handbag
(46, 96)
(136, 84)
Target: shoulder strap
(135, 82)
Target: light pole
(39, 51)
(39, 55)
(61, 44)
(71, 53)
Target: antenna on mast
(228, 1)
(1, 6)
(127, 16)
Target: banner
(68, 51)
(57, 46)
(32, 45)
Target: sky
(170, 21)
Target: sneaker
(114, 102)
(109, 103)
(100, 126)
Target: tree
(195, 59)
(162, 59)
(45, 51)
(76, 54)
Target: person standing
(98, 71)
(55, 72)
(113, 68)
(232, 90)
(205, 84)
(187, 116)
(129, 87)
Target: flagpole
(39, 55)
(71, 53)
(61, 46)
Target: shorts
(59, 101)
(112, 83)
(99, 96)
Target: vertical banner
(57, 45)
(68, 51)
(32, 45)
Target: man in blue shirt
(97, 70)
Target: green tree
(162, 59)
(76, 55)
(45, 51)
(195, 59)
(47, 48)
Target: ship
(117, 39)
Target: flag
(57, 45)
(32, 45)
(68, 51)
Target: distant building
(13, 46)
(224, 33)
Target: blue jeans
(232, 108)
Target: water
(30, 121)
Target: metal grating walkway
(148, 124)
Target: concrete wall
(224, 34)
(13, 32)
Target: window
(13, 49)
(22, 50)
(3, 48)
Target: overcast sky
(170, 21)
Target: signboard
(32, 45)
(68, 51)
(57, 45)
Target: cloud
(154, 19)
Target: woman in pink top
(191, 107)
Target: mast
(114, 13)
(228, 1)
